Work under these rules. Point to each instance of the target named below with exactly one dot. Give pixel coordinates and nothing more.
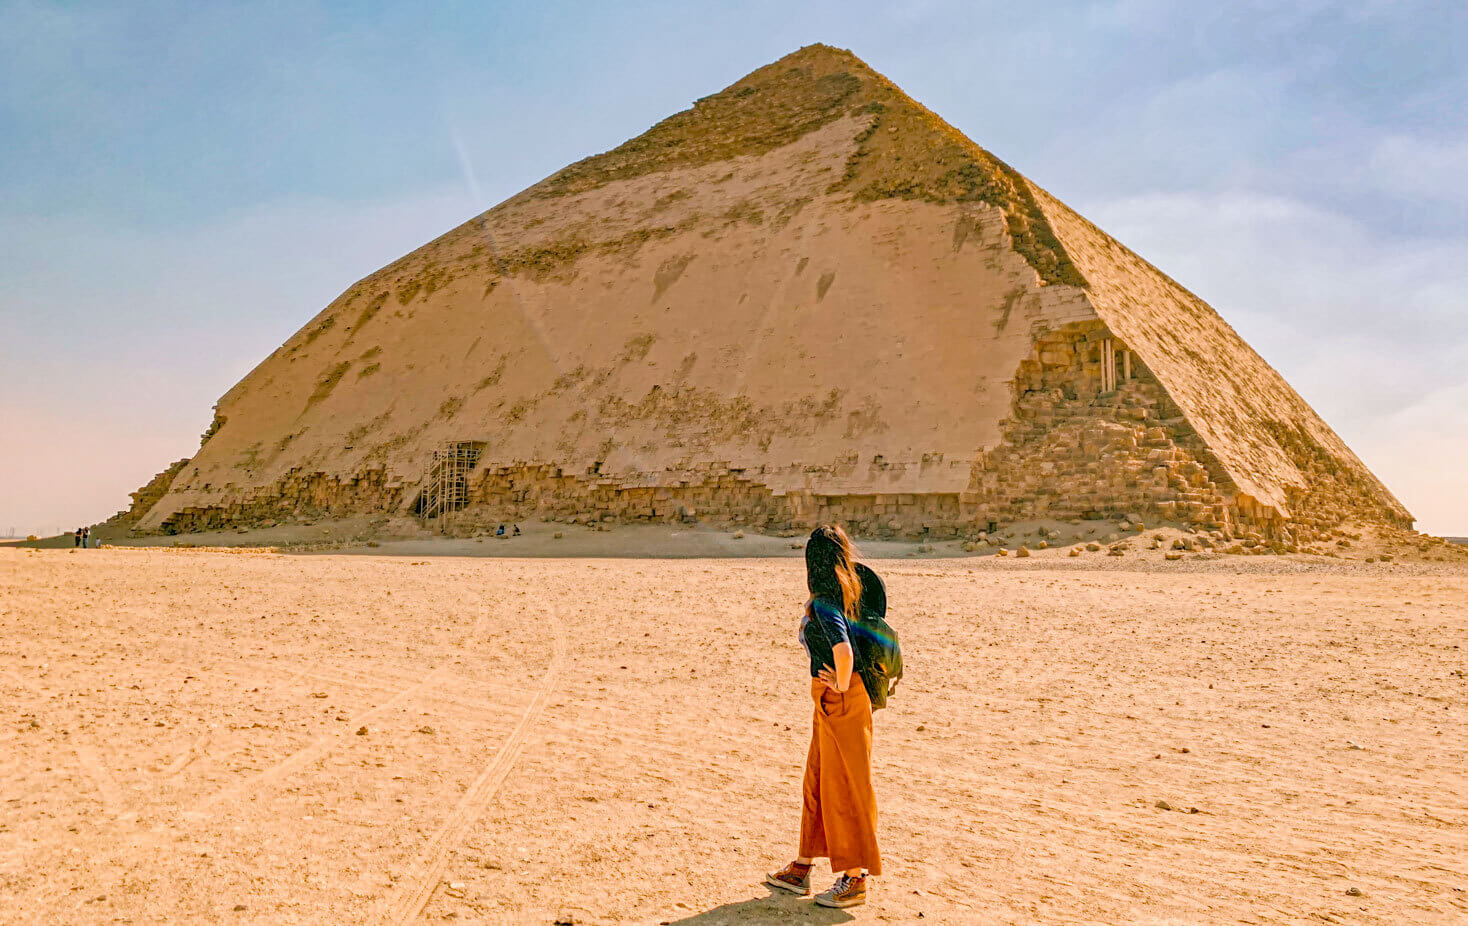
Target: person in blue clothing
(838, 819)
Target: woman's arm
(839, 679)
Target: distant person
(86, 537)
(500, 532)
(517, 530)
(838, 818)
(77, 538)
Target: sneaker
(846, 892)
(794, 878)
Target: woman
(839, 817)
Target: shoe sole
(799, 891)
(841, 904)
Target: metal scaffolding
(446, 482)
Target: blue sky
(182, 185)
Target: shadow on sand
(777, 907)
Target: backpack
(878, 653)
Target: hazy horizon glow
(183, 185)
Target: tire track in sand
(435, 853)
(102, 780)
(91, 764)
(324, 744)
(314, 750)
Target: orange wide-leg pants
(839, 817)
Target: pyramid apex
(819, 50)
(902, 150)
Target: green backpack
(874, 643)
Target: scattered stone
(1093, 546)
(425, 730)
(318, 694)
(739, 535)
(1171, 557)
(1355, 892)
(1074, 551)
(1022, 551)
(558, 535)
(1162, 805)
(361, 731)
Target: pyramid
(805, 298)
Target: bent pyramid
(804, 298)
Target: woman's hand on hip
(827, 676)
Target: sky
(183, 185)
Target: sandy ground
(259, 737)
(404, 536)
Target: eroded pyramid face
(804, 298)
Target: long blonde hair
(830, 568)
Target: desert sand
(253, 736)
